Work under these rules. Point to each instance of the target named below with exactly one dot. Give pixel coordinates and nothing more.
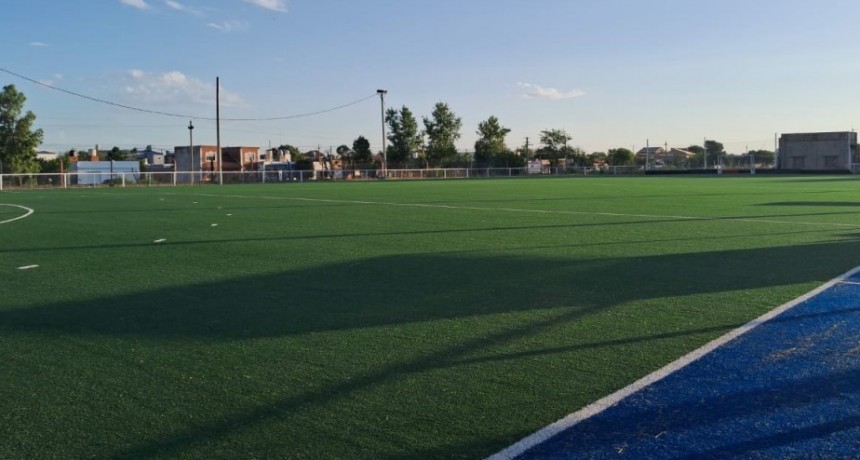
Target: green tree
(761, 157)
(443, 129)
(491, 141)
(697, 159)
(620, 157)
(597, 157)
(294, 152)
(403, 134)
(554, 139)
(361, 152)
(59, 164)
(345, 153)
(524, 152)
(575, 156)
(18, 140)
(508, 159)
(115, 154)
(713, 151)
(554, 145)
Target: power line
(176, 115)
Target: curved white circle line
(29, 212)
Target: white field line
(538, 211)
(29, 212)
(604, 403)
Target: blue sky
(612, 73)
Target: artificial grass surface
(379, 320)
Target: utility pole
(526, 153)
(382, 93)
(190, 150)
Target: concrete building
(831, 151)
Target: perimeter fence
(187, 178)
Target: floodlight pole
(382, 93)
(191, 149)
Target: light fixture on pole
(382, 93)
(191, 149)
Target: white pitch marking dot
(160, 240)
(214, 225)
(27, 267)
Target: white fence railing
(185, 178)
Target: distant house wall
(188, 166)
(240, 158)
(831, 151)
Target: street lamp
(382, 93)
(191, 149)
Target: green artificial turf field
(435, 319)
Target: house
(46, 155)
(238, 158)
(650, 153)
(675, 155)
(151, 157)
(825, 151)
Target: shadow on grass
(406, 289)
(412, 288)
(831, 204)
(465, 231)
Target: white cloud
(38, 44)
(173, 5)
(538, 91)
(139, 4)
(274, 5)
(228, 26)
(50, 82)
(175, 89)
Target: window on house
(830, 162)
(797, 162)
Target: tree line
(409, 145)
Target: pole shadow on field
(404, 289)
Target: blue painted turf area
(789, 388)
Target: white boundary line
(29, 212)
(537, 211)
(606, 402)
